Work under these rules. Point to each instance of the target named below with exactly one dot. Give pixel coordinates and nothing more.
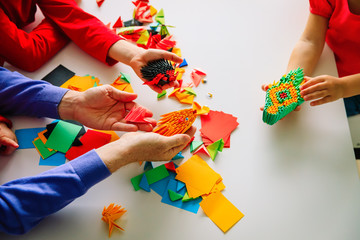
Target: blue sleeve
(25, 202)
(20, 95)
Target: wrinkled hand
(322, 89)
(265, 87)
(137, 147)
(142, 58)
(8, 141)
(103, 107)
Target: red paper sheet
(217, 125)
(90, 140)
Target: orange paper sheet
(80, 83)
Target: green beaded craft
(283, 97)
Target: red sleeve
(322, 8)
(6, 121)
(85, 30)
(29, 51)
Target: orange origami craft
(112, 213)
(176, 122)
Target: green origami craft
(283, 97)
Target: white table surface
(294, 180)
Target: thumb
(121, 95)
(172, 57)
(178, 140)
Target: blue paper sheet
(26, 136)
(160, 186)
(54, 160)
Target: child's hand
(265, 87)
(322, 89)
(141, 59)
(8, 141)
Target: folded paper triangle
(215, 148)
(144, 184)
(184, 63)
(180, 185)
(178, 156)
(119, 23)
(170, 166)
(202, 149)
(174, 196)
(195, 145)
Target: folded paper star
(283, 97)
(112, 213)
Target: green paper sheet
(62, 136)
(43, 151)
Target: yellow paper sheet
(221, 211)
(198, 176)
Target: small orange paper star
(112, 213)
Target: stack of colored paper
(193, 184)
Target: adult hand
(322, 89)
(103, 107)
(265, 87)
(8, 141)
(138, 147)
(143, 57)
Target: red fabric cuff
(6, 121)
